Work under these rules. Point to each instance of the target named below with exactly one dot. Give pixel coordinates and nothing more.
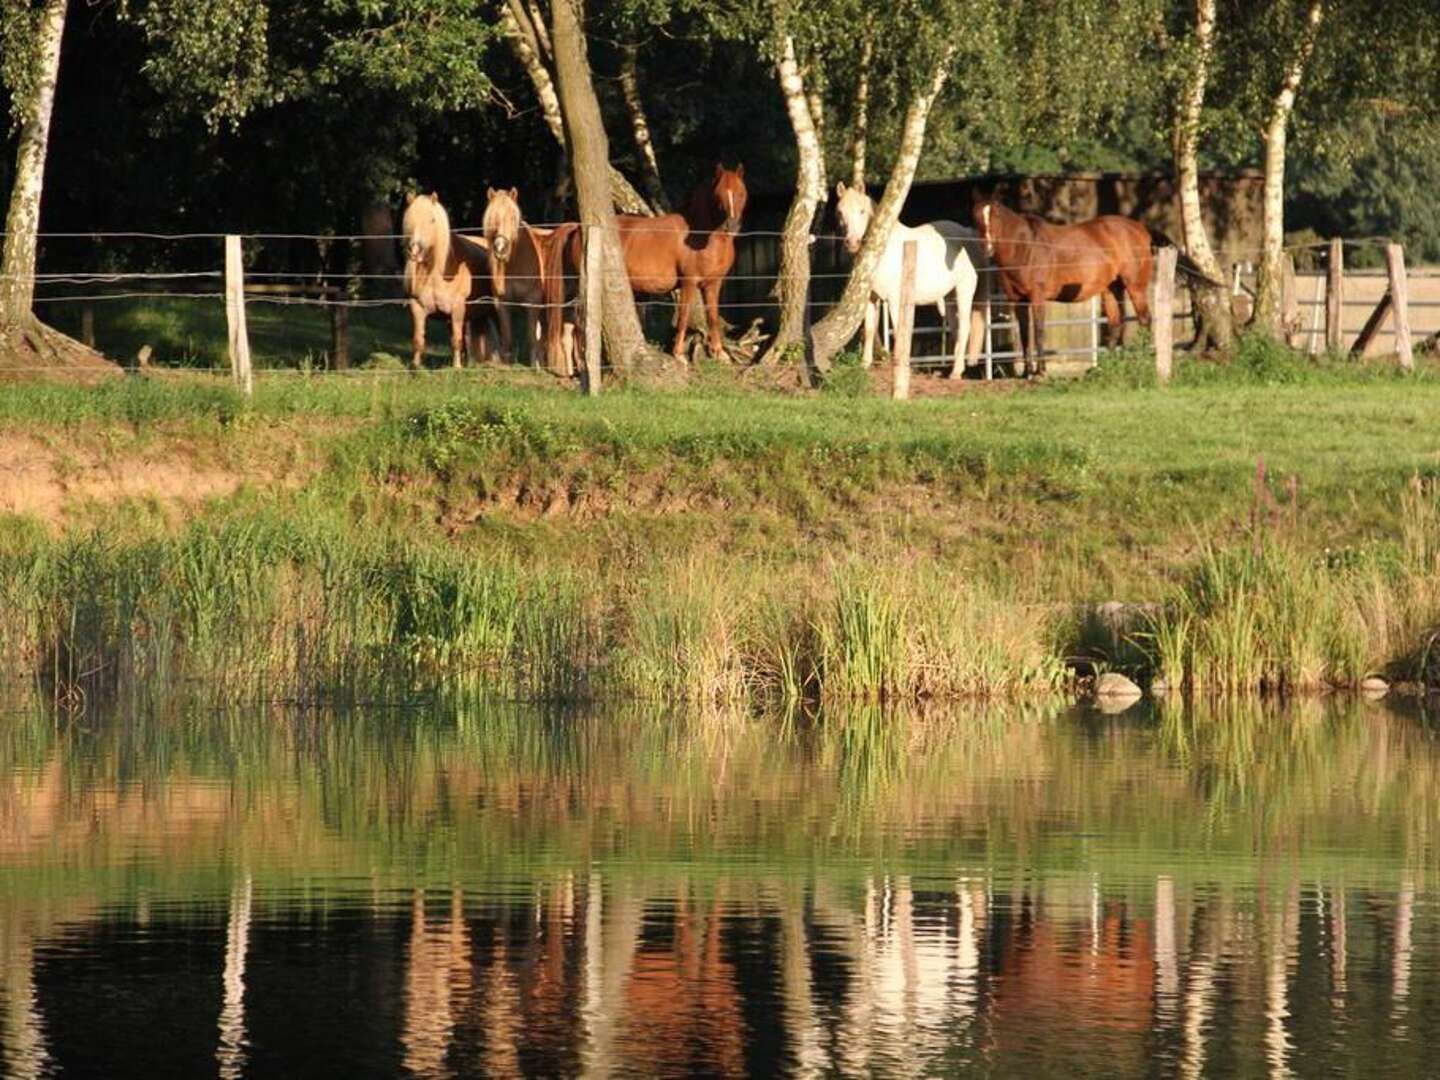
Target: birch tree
(32, 37)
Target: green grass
(717, 543)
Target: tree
(590, 158)
(32, 38)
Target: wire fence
(336, 281)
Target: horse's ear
(435, 196)
(718, 170)
(515, 194)
(740, 170)
(409, 197)
(840, 189)
(489, 193)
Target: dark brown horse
(695, 250)
(1037, 261)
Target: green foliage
(846, 377)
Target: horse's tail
(1183, 262)
(552, 291)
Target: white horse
(948, 258)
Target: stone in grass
(1115, 692)
(1372, 686)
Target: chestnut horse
(1109, 256)
(445, 274)
(526, 270)
(695, 250)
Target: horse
(948, 260)
(445, 274)
(1037, 261)
(694, 250)
(527, 269)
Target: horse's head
(854, 211)
(730, 195)
(985, 215)
(502, 229)
(426, 227)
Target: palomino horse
(1109, 256)
(526, 270)
(695, 251)
(445, 274)
(948, 258)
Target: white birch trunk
(860, 131)
(1268, 278)
(22, 223)
(1212, 307)
(809, 192)
(832, 332)
(640, 127)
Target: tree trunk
(809, 193)
(530, 46)
(590, 155)
(22, 223)
(1213, 324)
(640, 125)
(1268, 315)
(816, 101)
(860, 130)
(832, 332)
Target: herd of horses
(476, 282)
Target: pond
(472, 888)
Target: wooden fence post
(904, 323)
(235, 317)
(989, 333)
(1335, 297)
(591, 267)
(1395, 264)
(340, 331)
(87, 326)
(1162, 323)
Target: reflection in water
(499, 892)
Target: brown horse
(694, 251)
(1038, 262)
(445, 274)
(526, 270)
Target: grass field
(719, 541)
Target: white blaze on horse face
(985, 229)
(854, 208)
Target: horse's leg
(964, 300)
(682, 315)
(1037, 329)
(1114, 316)
(457, 336)
(417, 335)
(867, 347)
(502, 325)
(710, 289)
(537, 344)
(1140, 297)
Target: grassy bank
(721, 543)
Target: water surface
(471, 889)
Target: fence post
(340, 331)
(1162, 323)
(904, 323)
(1335, 297)
(590, 306)
(1395, 264)
(87, 326)
(235, 317)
